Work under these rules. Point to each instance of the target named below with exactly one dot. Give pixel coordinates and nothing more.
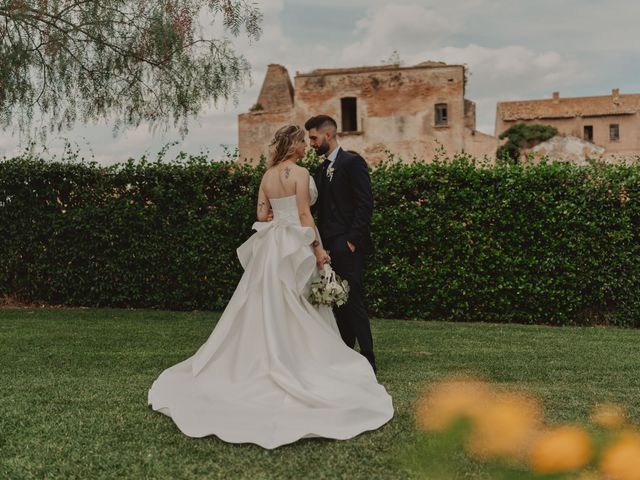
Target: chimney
(615, 94)
(277, 91)
(556, 97)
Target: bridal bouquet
(329, 289)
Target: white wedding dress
(274, 369)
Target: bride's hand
(322, 257)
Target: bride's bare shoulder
(293, 170)
(302, 171)
(286, 171)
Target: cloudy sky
(515, 49)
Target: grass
(74, 385)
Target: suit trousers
(352, 318)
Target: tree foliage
(124, 61)
(521, 136)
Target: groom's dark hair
(320, 121)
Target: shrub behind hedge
(551, 243)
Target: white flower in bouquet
(329, 289)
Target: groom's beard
(323, 149)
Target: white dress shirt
(332, 156)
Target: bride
(275, 368)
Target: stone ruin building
(408, 111)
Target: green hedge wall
(455, 240)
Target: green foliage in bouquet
(329, 289)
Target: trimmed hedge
(455, 240)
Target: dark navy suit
(344, 209)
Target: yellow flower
(562, 449)
(609, 415)
(448, 400)
(505, 427)
(621, 460)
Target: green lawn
(74, 387)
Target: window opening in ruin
(588, 133)
(614, 132)
(442, 116)
(349, 114)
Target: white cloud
(511, 68)
(405, 28)
(499, 73)
(511, 72)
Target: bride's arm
(262, 210)
(303, 199)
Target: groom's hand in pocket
(351, 246)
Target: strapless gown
(274, 369)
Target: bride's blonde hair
(284, 143)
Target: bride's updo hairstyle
(284, 143)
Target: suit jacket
(345, 203)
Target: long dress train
(274, 369)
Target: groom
(344, 208)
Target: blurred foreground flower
(562, 449)
(609, 415)
(621, 460)
(506, 427)
(463, 418)
(450, 400)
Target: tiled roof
(374, 68)
(570, 107)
